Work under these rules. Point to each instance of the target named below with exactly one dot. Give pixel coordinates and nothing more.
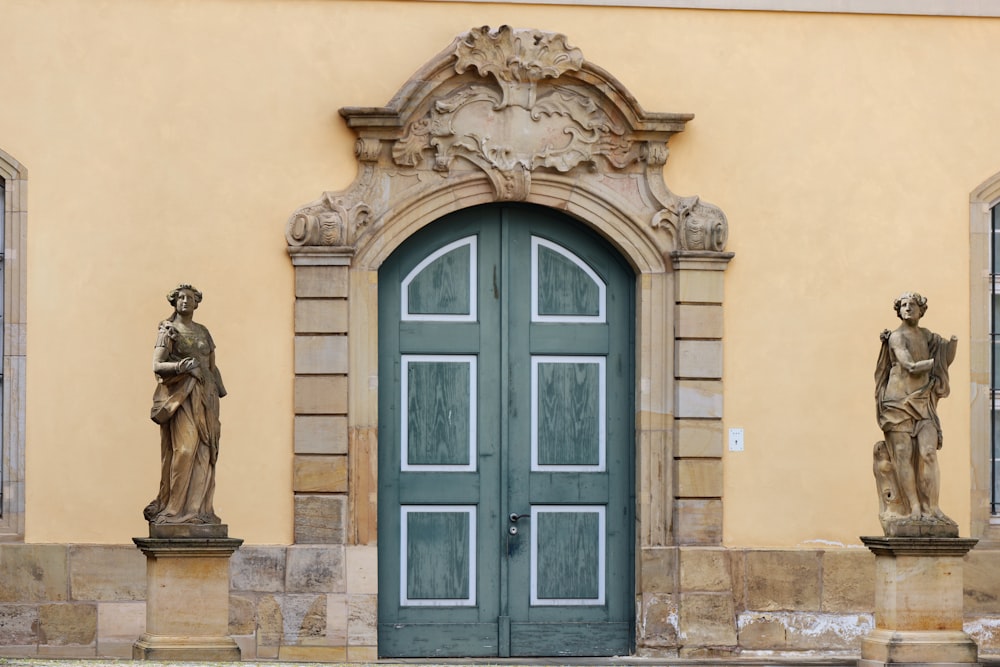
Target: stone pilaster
(698, 431)
(320, 478)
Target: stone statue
(910, 377)
(186, 406)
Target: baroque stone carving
(186, 406)
(514, 126)
(910, 377)
(330, 221)
(509, 115)
(697, 225)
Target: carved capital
(331, 221)
(694, 224)
(701, 226)
(655, 153)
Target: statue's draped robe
(187, 409)
(907, 413)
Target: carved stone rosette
(515, 108)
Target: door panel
(505, 440)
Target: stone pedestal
(918, 603)
(187, 599)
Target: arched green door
(506, 439)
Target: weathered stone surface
(312, 653)
(303, 617)
(362, 653)
(18, 625)
(317, 434)
(321, 281)
(270, 625)
(783, 580)
(761, 632)
(698, 321)
(321, 395)
(319, 474)
(705, 570)
(698, 359)
(658, 620)
(707, 619)
(318, 355)
(107, 573)
(699, 478)
(699, 399)
(659, 570)
(706, 653)
(242, 615)
(982, 585)
(336, 619)
(317, 569)
(698, 520)
(33, 573)
(738, 567)
(247, 645)
(62, 624)
(362, 621)
(321, 316)
(320, 519)
(699, 438)
(848, 581)
(118, 626)
(803, 631)
(259, 569)
(362, 570)
(986, 633)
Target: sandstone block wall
(318, 602)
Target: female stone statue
(186, 406)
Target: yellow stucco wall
(170, 141)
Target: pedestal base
(201, 649)
(187, 598)
(918, 604)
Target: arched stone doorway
(512, 116)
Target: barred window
(995, 366)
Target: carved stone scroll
(523, 114)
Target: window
(12, 326)
(994, 285)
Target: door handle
(514, 518)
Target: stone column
(918, 603)
(187, 598)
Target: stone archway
(511, 115)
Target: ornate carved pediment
(511, 106)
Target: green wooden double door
(506, 431)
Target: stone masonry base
(318, 602)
